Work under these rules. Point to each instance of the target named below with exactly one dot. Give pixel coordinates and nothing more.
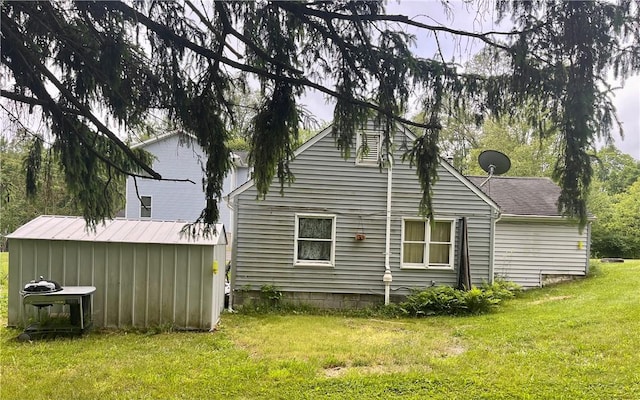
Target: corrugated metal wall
(527, 250)
(326, 183)
(137, 285)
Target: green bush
(445, 300)
(436, 300)
(271, 296)
(502, 288)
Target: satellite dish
(494, 163)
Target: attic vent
(368, 148)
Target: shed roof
(522, 196)
(47, 227)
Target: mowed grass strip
(576, 340)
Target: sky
(460, 16)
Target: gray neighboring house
(344, 229)
(178, 155)
(534, 243)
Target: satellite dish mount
(494, 163)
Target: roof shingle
(521, 196)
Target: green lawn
(572, 341)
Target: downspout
(234, 185)
(235, 160)
(588, 248)
(387, 278)
(231, 203)
(493, 246)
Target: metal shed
(145, 272)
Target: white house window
(145, 206)
(426, 246)
(315, 239)
(368, 148)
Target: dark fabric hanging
(464, 268)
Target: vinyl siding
(170, 201)
(179, 201)
(525, 251)
(327, 184)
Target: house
(146, 273)
(178, 156)
(534, 243)
(347, 234)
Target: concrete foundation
(316, 300)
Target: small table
(78, 298)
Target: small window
(145, 206)
(315, 240)
(368, 148)
(427, 246)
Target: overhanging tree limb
(82, 109)
(170, 35)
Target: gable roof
(51, 227)
(238, 158)
(181, 135)
(522, 196)
(401, 128)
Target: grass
(575, 341)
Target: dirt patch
(454, 350)
(548, 299)
(336, 372)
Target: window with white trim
(145, 206)
(368, 148)
(315, 239)
(427, 246)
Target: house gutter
(387, 278)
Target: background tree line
(16, 208)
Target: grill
(46, 295)
(42, 286)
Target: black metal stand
(78, 298)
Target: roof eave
(551, 218)
(159, 138)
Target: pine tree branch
(30, 59)
(299, 8)
(169, 35)
(224, 18)
(33, 101)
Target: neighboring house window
(145, 206)
(315, 239)
(368, 148)
(427, 246)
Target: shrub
(502, 288)
(436, 300)
(445, 300)
(271, 296)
